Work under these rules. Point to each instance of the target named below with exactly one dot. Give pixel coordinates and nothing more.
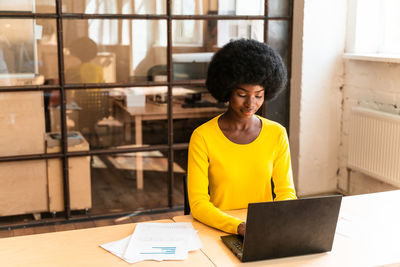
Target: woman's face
(246, 99)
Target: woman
(233, 157)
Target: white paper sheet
(156, 241)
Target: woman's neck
(230, 121)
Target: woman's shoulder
(271, 125)
(208, 127)
(273, 131)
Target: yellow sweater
(223, 175)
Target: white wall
(324, 87)
(375, 85)
(316, 93)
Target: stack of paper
(156, 241)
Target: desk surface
(371, 237)
(374, 221)
(78, 248)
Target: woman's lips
(248, 112)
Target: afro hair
(245, 61)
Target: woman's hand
(241, 229)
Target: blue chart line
(164, 250)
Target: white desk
(372, 239)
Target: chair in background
(157, 73)
(186, 206)
(94, 106)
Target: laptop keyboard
(238, 245)
(234, 243)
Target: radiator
(374, 144)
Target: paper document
(156, 241)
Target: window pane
(109, 51)
(391, 20)
(235, 29)
(115, 7)
(215, 7)
(254, 7)
(48, 51)
(278, 37)
(187, 33)
(52, 110)
(129, 181)
(111, 118)
(23, 125)
(28, 52)
(35, 6)
(144, 115)
(190, 62)
(191, 66)
(180, 159)
(23, 188)
(86, 110)
(277, 8)
(192, 106)
(193, 7)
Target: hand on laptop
(241, 229)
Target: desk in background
(154, 111)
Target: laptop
(287, 228)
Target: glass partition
(23, 123)
(180, 170)
(278, 8)
(23, 190)
(32, 6)
(192, 106)
(129, 181)
(196, 41)
(217, 7)
(118, 117)
(28, 52)
(278, 38)
(115, 51)
(116, 97)
(153, 7)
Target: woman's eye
(242, 95)
(259, 96)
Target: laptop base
(287, 228)
(234, 243)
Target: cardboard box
(22, 123)
(79, 174)
(23, 184)
(23, 187)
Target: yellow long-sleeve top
(223, 175)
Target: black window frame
(62, 87)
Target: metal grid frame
(59, 16)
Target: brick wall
(371, 84)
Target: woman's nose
(249, 101)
